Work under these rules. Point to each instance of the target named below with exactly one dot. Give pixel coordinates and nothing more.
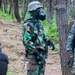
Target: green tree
(62, 22)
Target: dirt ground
(10, 37)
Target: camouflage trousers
(33, 68)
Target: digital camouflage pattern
(33, 39)
(71, 48)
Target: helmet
(34, 5)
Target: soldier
(34, 39)
(71, 49)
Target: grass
(12, 73)
(6, 16)
(9, 73)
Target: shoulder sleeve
(26, 36)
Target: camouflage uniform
(33, 36)
(33, 40)
(71, 49)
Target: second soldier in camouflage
(71, 49)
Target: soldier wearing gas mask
(34, 39)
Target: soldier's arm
(26, 36)
(49, 43)
(70, 41)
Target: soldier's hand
(50, 43)
(70, 62)
(53, 47)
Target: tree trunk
(16, 10)
(73, 12)
(24, 8)
(11, 9)
(62, 22)
(0, 4)
(5, 2)
(11, 5)
(50, 10)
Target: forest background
(60, 17)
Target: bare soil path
(10, 37)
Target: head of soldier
(36, 10)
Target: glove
(50, 43)
(53, 47)
(70, 62)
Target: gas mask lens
(41, 14)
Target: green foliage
(6, 16)
(51, 29)
(9, 73)
(70, 13)
(12, 73)
(20, 1)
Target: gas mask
(41, 14)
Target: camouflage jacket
(71, 41)
(33, 34)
